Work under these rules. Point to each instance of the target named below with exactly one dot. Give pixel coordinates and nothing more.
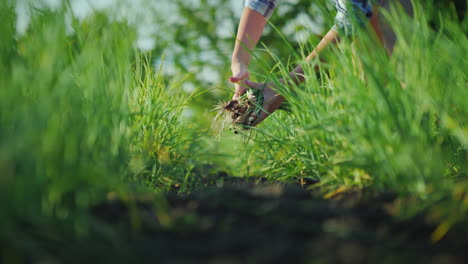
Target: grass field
(91, 130)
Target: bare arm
(297, 75)
(250, 29)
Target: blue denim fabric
(264, 7)
(348, 11)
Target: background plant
(84, 115)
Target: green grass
(355, 124)
(84, 116)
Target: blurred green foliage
(84, 115)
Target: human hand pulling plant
(252, 23)
(271, 99)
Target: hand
(271, 99)
(239, 73)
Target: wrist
(239, 60)
(238, 66)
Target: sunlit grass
(369, 120)
(83, 116)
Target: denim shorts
(351, 12)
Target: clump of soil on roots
(239, 113)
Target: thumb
(234, 79)
(239, 77)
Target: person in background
(252, 22)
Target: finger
(240, 90)
(239, 77)
(234, 79)
(254, 85)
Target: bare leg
(381, 27)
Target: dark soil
(260, 223)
